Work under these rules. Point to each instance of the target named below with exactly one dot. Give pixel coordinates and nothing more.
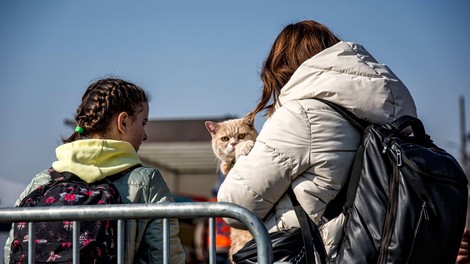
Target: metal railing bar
(147, 211)
(212, 249)
(120, 241)
(166, 240)
(31, 238)
(76, 242)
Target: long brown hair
(101, 101)
(295, 44)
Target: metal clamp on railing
(123, 212)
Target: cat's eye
(241, 136)
(224, 139)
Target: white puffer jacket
(307, 144)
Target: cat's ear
(248, 120)
(211, 127)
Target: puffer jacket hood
(95, 159)
(346, 74)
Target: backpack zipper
(396, 153)
(390, 216)
(424, 215)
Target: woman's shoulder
(302, 110)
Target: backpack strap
(417, 127)
(310, 232)
(65, 176)
(346, 195)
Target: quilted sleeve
(151, 248)
(257, 181)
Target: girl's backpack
(53, 240)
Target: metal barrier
(123, 212)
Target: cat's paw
(243, 148)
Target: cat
(231, 139)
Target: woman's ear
(122, 118)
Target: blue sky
(201, 59)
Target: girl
(110, 129)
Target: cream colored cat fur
(231, 139)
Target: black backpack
(406, 199)
(53, 240)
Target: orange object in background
(222, 233)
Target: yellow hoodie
(95, 159)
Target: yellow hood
(95, 159)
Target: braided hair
(101, 101)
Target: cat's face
(226, 135)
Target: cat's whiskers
(229, 149)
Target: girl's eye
(241, 136)
(224, 139)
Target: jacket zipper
(390, 216)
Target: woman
(304, 143)
(110, 128)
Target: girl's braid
(101, 101)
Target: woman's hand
(464, 251)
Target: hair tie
(79, 129)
